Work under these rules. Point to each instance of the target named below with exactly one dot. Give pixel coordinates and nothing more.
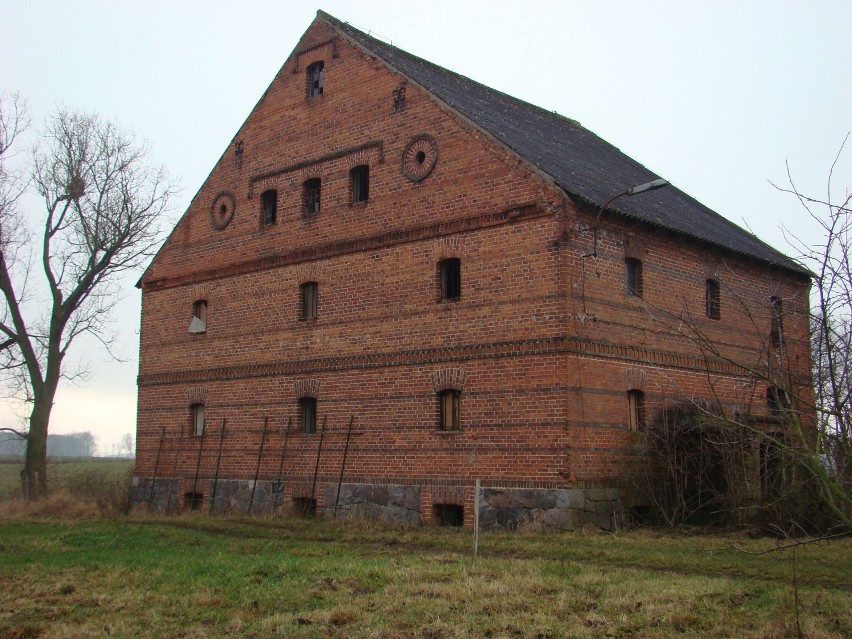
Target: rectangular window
(450, 409)
(198, 324)
(713, 299)
(309, 300)
(269, 203)
(450, 278)
(776, 333)
(316, 78)
(359, 179)
(311, 190)
(636, 409)
(633, 277)
(308, 410)
(197, 414)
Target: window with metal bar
(312, 191)
(316, 79)
(359, 179)
(269, 204)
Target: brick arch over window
(635, 379)
(196, 395)
(306, 388)
(448, 379)
(307, 273)
(199, 292)
(448, 247)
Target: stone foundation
(499, 508)
(392, 503)
(561, 509)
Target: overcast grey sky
(713, 96)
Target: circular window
(222, 210)
(419, 157)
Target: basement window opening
(304, 506)
(449, 514)
(193, 501)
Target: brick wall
(543, 344)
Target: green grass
(198, 576)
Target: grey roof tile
(580, 162)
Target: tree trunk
(34, 474)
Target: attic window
(316, 75)
(359, 179)
(269, 203)
(311, 193)
(198, 324)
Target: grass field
(198, 576)
(74, 475)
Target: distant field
(74, 474)
(217, 577)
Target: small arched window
(198, 324)
(636, 409)
(713, 299)
(450, 409)
(308, 413)
(196, 412)
(450, 274)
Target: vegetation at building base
(221, 577)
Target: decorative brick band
(372, 243)
(359, 152)
(519, 348)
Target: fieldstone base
(235, 496)
(562, 509)
(160, 495)
(393, 503)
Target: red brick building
(398, 281)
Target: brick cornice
(516, 348)
(357, 245)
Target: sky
(719, 98)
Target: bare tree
(102, 201)
(794, 443)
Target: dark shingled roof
(580, 162)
